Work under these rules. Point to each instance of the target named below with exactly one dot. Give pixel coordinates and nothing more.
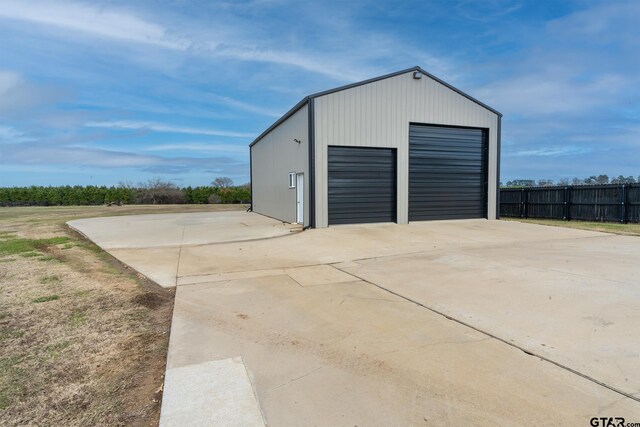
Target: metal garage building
(401, 147)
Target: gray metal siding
(378, 115)
(361, 185)
(272, 159)
(447, 173)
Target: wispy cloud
(553, 91)
(47, 154)
(236, 39)
(488, 10)
(97, 21)
(8, 80)
(159, 127)
(244, 106)
(9, 134)
(199, 147)
(551, 152)
(18, 94)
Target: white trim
(300, 198)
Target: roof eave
(455, 89)
(277, 123)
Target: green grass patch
(7, 260)
(22, 246)
(29, 254)
(55, 350)
(12, 380)
(50, 279)
(77, 318)
(7, 234)
(7, 334)
(45, 299)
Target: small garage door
(447, 173)
(362, 185)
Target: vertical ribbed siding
(378, 115)
(273, 158)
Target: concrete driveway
(479, 322)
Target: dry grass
(607, 227)
(83, 340)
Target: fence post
(566, 203)
(625, 200)
(569, 200)
(521, 207)
(526, 203)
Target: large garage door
(362, 185)
(447, 173)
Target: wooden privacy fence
(611, 202)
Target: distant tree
(214, 199)
(563, 181)
(602, 179)
(590, 180)
(623, 180)
(577, 181)
(222, 182)
(200, 195)
(521, 183)
(545, 183)
(159, 191)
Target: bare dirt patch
(83, 339)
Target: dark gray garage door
(447, 173)
(362, 185)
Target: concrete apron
(344, 340)
(400, 325)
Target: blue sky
(106, 91)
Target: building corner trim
(312, 164)
(498, 142)
(251, 177)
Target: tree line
(591, 180)
(153, 191)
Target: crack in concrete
(313, 371)
(503, 340)
(184, 228)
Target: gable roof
(306, 99)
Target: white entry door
(300, 198)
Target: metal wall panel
(361, 185)
(273, 158)
(378, 114)
(447, 173)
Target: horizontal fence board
(607, 203)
